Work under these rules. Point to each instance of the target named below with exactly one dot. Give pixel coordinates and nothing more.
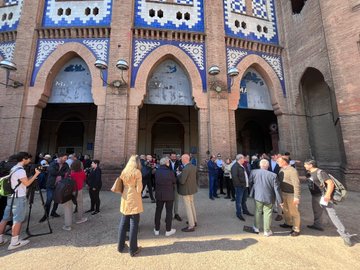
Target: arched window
(297, 5)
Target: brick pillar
(113, 145)
(99, 133)
(232, 134)
(132, 131)
(218, 103)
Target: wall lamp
(121, 64)
(215, 70)
(9, 66)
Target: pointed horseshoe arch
(162, 53)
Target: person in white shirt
(19, 182)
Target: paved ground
(218, 243)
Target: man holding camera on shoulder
(16, 210)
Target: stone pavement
(218, 243)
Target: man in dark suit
(175, 165)
(241, 184)
(187, 188)
(265, 189)
(165, 182)
(213, 176)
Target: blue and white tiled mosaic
(7, 50)
(98, 46)
(259, 9)
(77, 13)
(10, 15)
(238, 6)
(187, 15)
(234, 56)
(10, 2)
(258, 24)
(142, 48)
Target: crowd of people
(272, 180)
(48, 171)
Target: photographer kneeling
(17, 210)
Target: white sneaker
(256, 230)
(66, 228)
(84, 219)
(156, 232)
(269, 233)
(20, 243)
(171, 232)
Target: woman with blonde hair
(131, 204)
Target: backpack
(5, 184)
(340, 192)
(64, 190)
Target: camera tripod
(31, 195)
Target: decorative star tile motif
(258, 24)
(77, 13)
(234, 56)
(7, 50)
(142, 48)
(98, 46)
(185, 15)
(10, 15)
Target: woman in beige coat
(131, 204)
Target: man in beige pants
(187, 188)
(290, 188)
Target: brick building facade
(296, 89)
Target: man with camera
(15, 208)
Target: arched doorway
(167, 135)
(256, 123)
(168, 120)
(322, 119)
(68, 122)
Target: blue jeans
(212, 185)
(125, 222)
(50, 192)
(241, 194)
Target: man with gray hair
(165, 182)
(241, 184)
(265, 189)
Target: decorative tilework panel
(142, 48)
(10, 15)
(7, 50)
(238, 6)
(180, 15)
(10, 2)
(234, 56)
(77, 13)
(98, 46)
(261, 26)
(259, 9)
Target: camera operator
(18, 209)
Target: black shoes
(187, 222)
(285, 226)
(241, 218)
(187, 229)
(136, 252)
(212, 198)
(222, 193)
(278, 218)
(248, 214)
(89, 211)
(227, 197)
(95, 212)
(294, 234)
(313, 227)
(177, 217)
(216, 196)
(42, 219)
(55, 215)
(145, 197)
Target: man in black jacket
(57, 170)
(94, 182)
(165, 182)
(146, 171)
(241, 184)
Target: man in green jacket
(187, 188)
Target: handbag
(118, 186)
